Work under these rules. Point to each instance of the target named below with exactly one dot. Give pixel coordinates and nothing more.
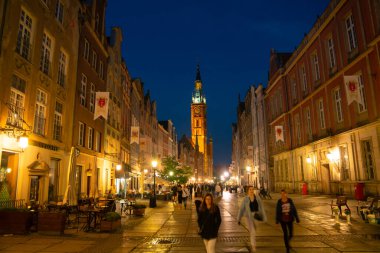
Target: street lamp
(152, 202)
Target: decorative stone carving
(44, 80)
(22, 65)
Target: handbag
(258, 216)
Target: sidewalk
(168, 229)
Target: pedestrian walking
(179, 191)
(209, 221)
(218, 190)
(253, 209)
(286, 213)
(185, 195)
(174, 194)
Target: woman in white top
(185, 195)
(252, 208)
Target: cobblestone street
(169, 229)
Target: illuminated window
(86, 51)
(322, 123)
(62, 69)
(24, 36)
(45, 62)
(57, 134)
(40, 112)
(81, 134)
(90, 138)
(94, 59)
(351, 34)
(308, 122)
(369, 164)
(331, 52)
(315, 63)
(338, 105)
(92, 97)
(83, 90)
(59, 8)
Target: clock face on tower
(197, 110)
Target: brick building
(318, 140)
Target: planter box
(51, 223)
(106, 226)
(139, 211)
(15, 222)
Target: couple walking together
(252, 208)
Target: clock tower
(199, 123)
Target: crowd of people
(251, 207)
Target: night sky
(230, 39)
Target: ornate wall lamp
(17, 133)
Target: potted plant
(51, 222)
(15, 221)
(139, 209)
(111, 221)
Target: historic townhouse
(112, 133)
(137, 98)
(322, 104)
(249, 141)
(189, 155)
(259, 135)
(169, 137)
(38, 62)
(92, 177)
(123, 175)
(244, 124)
(235, 155)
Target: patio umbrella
(94, 181)
(72, 198)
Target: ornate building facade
(38, 63)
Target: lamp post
(152, 202)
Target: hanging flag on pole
(101, 105)
(135, 134)
(279, 131)
(352, 89)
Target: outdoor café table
(93, 219)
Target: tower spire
(198, 75)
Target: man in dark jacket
(286, 212)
